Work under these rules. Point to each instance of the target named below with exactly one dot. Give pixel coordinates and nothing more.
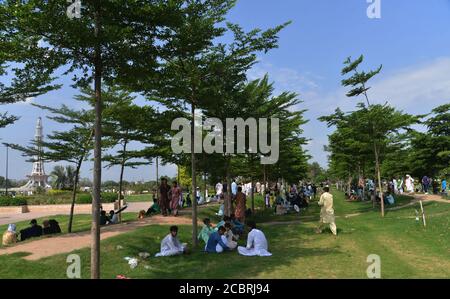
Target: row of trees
(169, 52)
(378, 141)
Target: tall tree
(373, 124)
(112, 42)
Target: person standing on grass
(175, 195)
(327, 212)
(164, 200)
(234, 188)
(425, 184)
(170, 245)
(444, 186)
(10, 236)
(241, 205)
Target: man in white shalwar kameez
(170, 245)
(327, 211)
(256, 243)
(409, 183)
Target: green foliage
(6, 201)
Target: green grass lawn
(406, 248)
(139, 198)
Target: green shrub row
(82, 198)
(7, 201)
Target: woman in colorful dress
(175, 198)
(241, 202)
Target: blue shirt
(444, 185)
(213, 240)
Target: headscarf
(12, 228)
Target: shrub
(55, 192)
(6, 201)
(109, 197)
(85, 198)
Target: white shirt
(234, 188)
(257, 240)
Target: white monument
(37, 178)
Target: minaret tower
(38, 178)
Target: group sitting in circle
(218, 240)
(49, 227)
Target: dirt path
(69, 242)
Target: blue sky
(411, 40)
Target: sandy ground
(69, 242)
(133, 207)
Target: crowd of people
(49, 227)
(365, 189)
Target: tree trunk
(74, 193)
(95, 228)
(205, 185)
(6, 176)
(265, 181)
(157, 180)
(194, 180)
(378, 170)
(253, 198)
(228, 202)
(122, 169)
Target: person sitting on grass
(221, 210)
(170, 245)
(217, 242)
(10, 236)
(103, 218)
(389, 198)
(206, 231)
(154, 209)
(230, 236)
(238, 227)
(34, 230)
(114, 215)
(141, 214)
(256, 242)
(225, 219)
(51, 227)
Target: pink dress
(176, 193)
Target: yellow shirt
(9, 238)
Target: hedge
(82, 198)
(86, 198)
(7, 201)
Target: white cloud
(416, 89)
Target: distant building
(37, 178)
